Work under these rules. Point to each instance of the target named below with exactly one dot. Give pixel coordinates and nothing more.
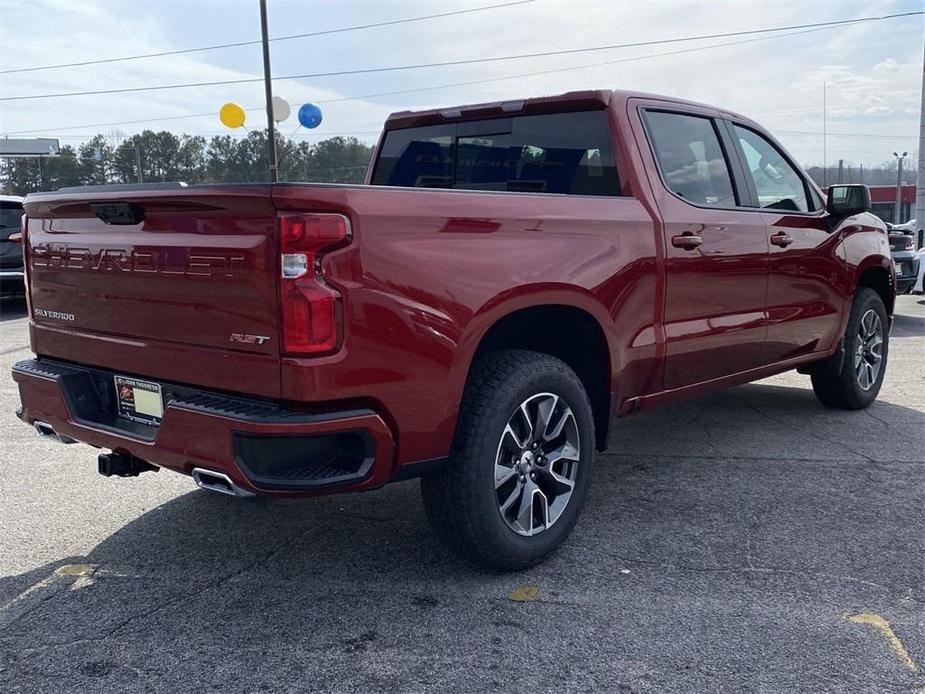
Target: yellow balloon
(231, 115)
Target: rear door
(805, 297)
(716, 251)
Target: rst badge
(245, 339)
(54, 315)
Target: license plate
(899, 268)
(139, 401)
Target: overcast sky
(873, 70)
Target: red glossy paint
(425, 276)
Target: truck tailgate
(177, 284)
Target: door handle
(688, 241)
(781, 240)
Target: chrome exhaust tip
(218, 482)
(47, 431)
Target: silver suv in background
(905, 258)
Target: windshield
(10, 216)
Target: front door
(715, 316)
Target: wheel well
(567, 333)
(878, 279)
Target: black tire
(461, 499)
(845, 390)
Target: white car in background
(906, 227)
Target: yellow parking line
(883, 626)
(524, 594)
(74, 570)
(77, 570)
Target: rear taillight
(910, 245)
(308, 306)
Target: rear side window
(566, 153)
(690, 158)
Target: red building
(883, 202)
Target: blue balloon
(309, 116)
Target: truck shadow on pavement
(722, 545)
(907, 326)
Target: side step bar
(218, 482)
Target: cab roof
(578, 100)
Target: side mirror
(846, 200)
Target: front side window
(565, 153)
(690, 158)
(777, 183)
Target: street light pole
(268, 88)
(920, 181)
(899, 187)
(825, 154)
(138, 174)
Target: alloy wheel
(536, 464)
(868, 357)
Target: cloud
(777, 80)
(890, 65)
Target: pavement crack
(191, 596)
(811, 432)
(749, 567)
(867, 411)
(634, 457)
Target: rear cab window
(564, 153)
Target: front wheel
(866, 344)
(521, 461)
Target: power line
(290, 37)
(222, 133)
(469, 61)
(820, 134)
(438, 86)
(476, 82)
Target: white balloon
(281, 109)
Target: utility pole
(268, 87)
(920, 182)
(138, 164)
(897, 209)
(42, 175)
(841, 168)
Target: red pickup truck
(511, 276)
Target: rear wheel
(519, 469)
(866, 345)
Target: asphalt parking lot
(751, 541)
